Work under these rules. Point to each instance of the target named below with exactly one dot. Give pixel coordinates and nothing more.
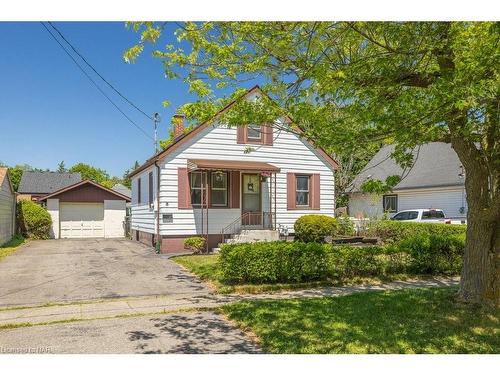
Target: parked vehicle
(424, 215)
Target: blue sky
(50, 112)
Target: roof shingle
(46, 182)
(436, 164)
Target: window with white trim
(218, 195)
(196, 187)
(390, 203)
(254, 132)
(302, 185)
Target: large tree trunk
(481, 269)
(480, 279)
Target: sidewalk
(171, 304)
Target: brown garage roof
(78, 184)
(185, 137)
(231, 165)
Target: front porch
(245, 190)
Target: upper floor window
(302, 190)
(254, 133)
(218, 195)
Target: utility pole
(156, 120)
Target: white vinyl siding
(143, 215)
(288, 152)
(7, 199)
(449, 199)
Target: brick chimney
(178, 124)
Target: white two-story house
(206, 183)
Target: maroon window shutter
(150, 188)
(240, 135)
(235, 189)
(290, 191)
(183, 189)
(139, 190)
(268, 135)
(315, 191)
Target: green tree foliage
(350, 84)
(89, 172)
(126, 179)
(61, 167)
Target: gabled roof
(436, 165)
(4, 173)
(78, 184)
(197, 129)
(46, 182)
(122, 189)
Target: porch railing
(249, 220)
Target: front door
(251, 199)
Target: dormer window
(254, 133)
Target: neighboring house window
(150, 188)
(195, 184)
(254, 133)
(218, 196)
(139, 190)
(390, 203)
(302, 190)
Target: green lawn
(405, 321)
(11, 246)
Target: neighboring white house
(7, 207)
(86, 210)
(209, 184)
(436, 180)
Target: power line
(94, 83)
(96, 72)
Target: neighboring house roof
(4, 173)
(185, 137)
(436, 164)
(46, 182)
(122, 189)
(84, 182)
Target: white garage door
(82, 220)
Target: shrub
(272, 262)
(351, 261)
(396, 231)
(345, 227)
(195, 244)
(436, 253)
(33, 220)
(314, 228)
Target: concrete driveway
(56, 271)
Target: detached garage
(86, 210)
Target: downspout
(158, 238)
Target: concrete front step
(257, 235)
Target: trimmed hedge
(435, 253)
(273, 262)
(33, 220)
(314, 228)
(346, 262)
(391, 231)
(284, 262)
